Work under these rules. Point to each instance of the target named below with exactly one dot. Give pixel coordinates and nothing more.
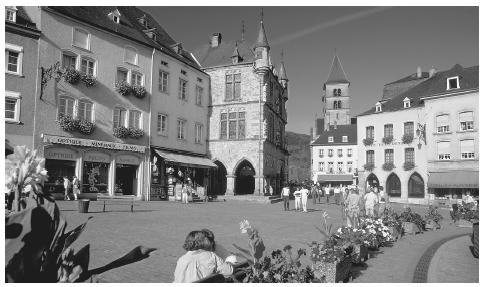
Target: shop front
(453, 184)
(170, 170)
(102, 167)
(335, 179)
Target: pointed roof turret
(283, 74)
(262, 36)
(337, 74)
(235, 52)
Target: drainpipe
(34, 123)
(148, 189)
(260, 135)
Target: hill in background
(298, 146)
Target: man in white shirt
(370, 202)
(305, 194)
(337, 195)
(327, 193)
(286, 197)
(298, 197)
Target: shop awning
(453, 179)
(185, 159)
(334, 177)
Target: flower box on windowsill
(388, 166)
(120, 132)
(369, 166)
(85, 127)
(139, 91)
(88, 80)
(387, 140)
(407, 139)
(408, 165)
(332, 272)
(123, 88)
(71, 76)
(135, 133)
(67, 123)
(368, 141)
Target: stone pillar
(259, 185)
(230, 185)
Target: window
(121, 75)
(241, 125)
(131, 55)
(183, 72)
(11, 13)
(164, 63)
(442, 124)
(349, 167)
(163, 81)
(370, 132)
(344, 138)
(349, 152)
(393, 185)
(199, 133)
(88, 66)
(183, 90)
(232, 125)
(69, 60)
(115, 19)
(223, 126)
(452, 83)
(444, 150)
(134, 119)
(416, 186)
(66, 107)
(181, 129)
(467, 149)
(378, 107)
(339, 152)
(321, 166)
(136, 79)
(13, 59)
(388, 130)
(466, 121)
(331, 152)
(334, 92)
(388, 156)
(407, 103)
(330, 139)
(321, 152)
(339, 166)
(409, 128)
(12, 106)
(409, 155)
(232, 87)
(119, 117)
(331, 167)
(81, 38)
(339, 92)
(85, 111)
(370, 156)
(162, 124)
(199, 95)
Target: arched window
(393, 185)
(416, 186)
(85, 111)
(66, 106)
(339, 92)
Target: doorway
(245, 178)
(126, 181)
(219, 179)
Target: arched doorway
(245, 178)
(393, 185)
(416, 186)
(219, 179)
(372, 180)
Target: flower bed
(432, 218)
(408, 216)
(378, 229)
(332, 272)
(361, 253)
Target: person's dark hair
(197, 240)
(211, 237)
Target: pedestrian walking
(320, 191)
(298, 198)
(370, 202)
(315, 193)
(327, 193)
(184, 193)
(270, 188)
(76, 187)
(305, 194)
(352, 207)
(337, 195)
(67, 185)
(286, 197)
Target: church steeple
(337, 74)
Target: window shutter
(443, 147)
(466, 117)
(467, 146)
(442, 120)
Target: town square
(277, 144)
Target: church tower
(336, 96)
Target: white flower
(339, 230)
(244, 226)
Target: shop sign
(97, 157)
(127, 159)
(60, 153)
(93, 143)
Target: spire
(262, 36)
(243, 31)
(235, 57)
(283, 74)
(337, 74)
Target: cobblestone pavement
(164, 225)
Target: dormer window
(453, 83)
(331, 139)
(143, 21)
(378, 107)
(344, 139)
(407, 103)
(115, 16)
(11, 13)
(115, 19)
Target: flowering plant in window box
(89, 80)
(387, 140)
(407, 138)
(120, 132)
(369, 166)
(368, 141)
(408, 165)
(123, 88)
(85, 127)
(67, 123)
(139, 91)
(135, 133)
(388, 166)
(71, 76)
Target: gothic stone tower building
(247, 115)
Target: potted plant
(408, 165)
(67, 123)
(139, 91)
(433, 218)
(331, 262)
(390, 219)
(407, 138)
(135, 133)
(368, 141)
(387, 140)
(388, 166)
(85, 127)
(412, 222)
(355, 237)
(369, 166)
(89, 80)
(120, 132)
(71, 76)
(123, 88)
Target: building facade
(247, 115)
(21, 72)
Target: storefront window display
(95, 177)
(57, 169)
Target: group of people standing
(370, 203)
(71, 187)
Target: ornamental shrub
(388, 166)
(135, 133)
(407, 138)
(67, 123)
(123, 88)
(433, 215)
(71, 76)
(408, 216)
(139, 91)
(387, 140)
(120, 132)
(369, 166)
(85, 127)
(368, 141)
(408, 165)
(89, 80)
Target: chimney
(312, 133)
(215, 40)
(419, 72)
(432, 71)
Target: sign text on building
(93, 143)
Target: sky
(376, 45)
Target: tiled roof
(23, 19)
(337, 74)
(437, 84)
(128, 27)
(221, 55)
(342, 130)
(410, 78)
